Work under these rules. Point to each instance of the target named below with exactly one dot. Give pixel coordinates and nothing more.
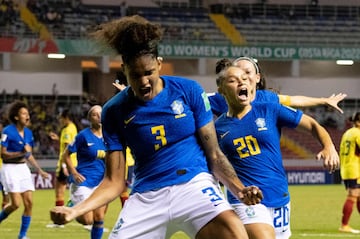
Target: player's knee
(85, 220)
(225, 225)
(14, 206)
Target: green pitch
(316, 213)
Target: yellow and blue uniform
(350, 154)
(156, 130)
(67, 136)
(252, 145)
(90, 154)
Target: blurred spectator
(123, 9)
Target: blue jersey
(161, 133)
(86, 146)
(13, 141)
(252, 145)
(219, 105)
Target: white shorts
(279, 218)
(1, 185)
(158, 214)
(79, 193)
(16, 178)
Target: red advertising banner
(27, 45)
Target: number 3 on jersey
(159, 132)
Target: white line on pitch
(328, 235)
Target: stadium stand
(297, 24)
(185, 21)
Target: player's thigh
(27, 198)
(195, 203)
(260, 231)
(144, 216)
(15, 199)
(226, 225)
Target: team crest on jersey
(261, 124)
(250, 212)
(178, 108)
(117, 226)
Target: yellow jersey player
(67, 136)
(350, 171)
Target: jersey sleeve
(67, 136)
(30, 138)
(5, 138)
(288, 116)
(218, 103)
(73, 146)
(110, 128)
(200, 106)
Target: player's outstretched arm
(110, 188)
(299, 101)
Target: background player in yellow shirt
(67, 135)
(350, 171)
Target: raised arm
(297, 101)
(222, 168)
(328, 153)
(110, 188)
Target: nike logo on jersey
(224, 134)
(90, 144)
(129, 120)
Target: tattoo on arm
(226, 167)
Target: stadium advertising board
(43, 183)
(309, 177)
(90, 48)
(293, 176)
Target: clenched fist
(250, 195)
(61, 215)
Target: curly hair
(14, 110)
(130, 36)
